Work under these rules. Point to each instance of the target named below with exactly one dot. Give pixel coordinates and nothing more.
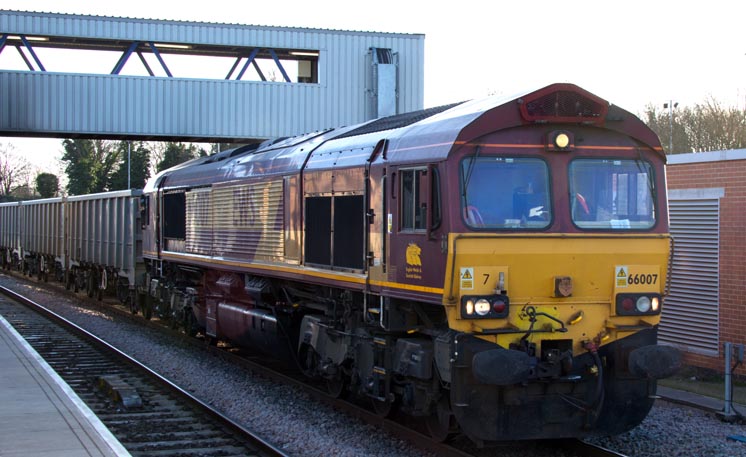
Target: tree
(90, 164)
(177, 153)
(14, 169)
(47, 185)
(705, 127)
(218, 147)
(139, 166)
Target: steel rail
(264, 446)
(576, 446)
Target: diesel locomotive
(496, 267)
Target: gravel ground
(305, 427)
(673, 430)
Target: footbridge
(78, 76)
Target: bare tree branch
(14, 169)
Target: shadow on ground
(706, 382)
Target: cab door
(415, 253)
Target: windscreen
(505, 193)
(612, 194)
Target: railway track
(399, 427)
(145, 412)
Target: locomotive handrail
(509, 331)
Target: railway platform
(40, 414)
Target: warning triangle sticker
(466, 275)
(622, 273)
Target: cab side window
(413, 199)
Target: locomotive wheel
(336, 387)
(438, 423)
(175, 321)
(191, 327)
(381, 408)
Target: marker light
(469, 307)
(577, 317)
(628, 304)
(655, 303)
(482, 306)
(499, 306)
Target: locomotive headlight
(562, 140)
(655, 303)
(482, 307)
(643, 304)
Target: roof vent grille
(563, 106)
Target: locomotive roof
(422, 136)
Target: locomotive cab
(557, 277)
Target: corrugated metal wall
(106, 105)
(691, 310)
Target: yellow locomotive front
(556, 282)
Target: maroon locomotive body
(408, 260)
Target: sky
(631, 53)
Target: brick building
(706, 306)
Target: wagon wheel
(137, 302)
(123, 291)
(101, 284)
(90, 283)
(147, 307)
(440, 421)
(131, 302)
